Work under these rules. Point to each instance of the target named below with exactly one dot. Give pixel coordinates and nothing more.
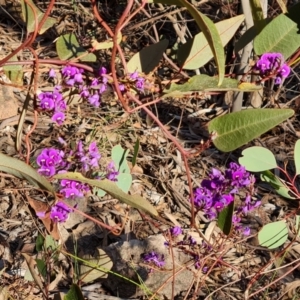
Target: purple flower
(246, 231)
(94, 100)
(59, 118)
(71, 193)
(69, 71)
(153, 257)
(175, 231)
(140, 83)
(59, 212)
(47, 171)
(134, 75)
(52, 73)
(112, 173)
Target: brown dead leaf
(8, 104)
(43, 207)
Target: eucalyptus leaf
(21, 170)
(196, 52)
(205, 83)
(95, 267)
(297, 157)
(273, 235)
(111, 188)
(257, 159)
(148, 58)
(231, 131)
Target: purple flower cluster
(59, 212)
(219, 189)
(50, 160)
(273, 64)
(54, 102)
(154, 258)
(138, 80)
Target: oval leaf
(74, 293)
(196, 52)
(297, 157)
(277, 184)
(21, 170)
(29, 19)
(236, 129)
(95, 267)
(280, 35)
(273, 235)
(68, 47)
(257, 159)
(225, 218)
(148, 58)
(112, 189)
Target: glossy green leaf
(273, 235)
(67, 47)
(29, 18)
(196, 52)
(205, 83)
(225, 218)
(74, 293)
(257, 159)
(148, 58)
(277, 184)
(297, 157)
(95, 267)
(111, 188)
(280, 35)
(231, 131)
(21, 170)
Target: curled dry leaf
(43, 207)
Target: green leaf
(273, 235)
(257, 14)
(95, 267)
(205, 83)
(280, 35)
(211, 33)
(50, 243)
(21, 170)
(67, 47)
(231, 131)
(225, 218)
(148, 58)
(118, 155)
(257, 159)
(14, 72)
(277, 184)
(297, 157)
(112, 189)
(196, 52)
(29, 19)
(41, 266)
(74, 293)
(39, 243)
